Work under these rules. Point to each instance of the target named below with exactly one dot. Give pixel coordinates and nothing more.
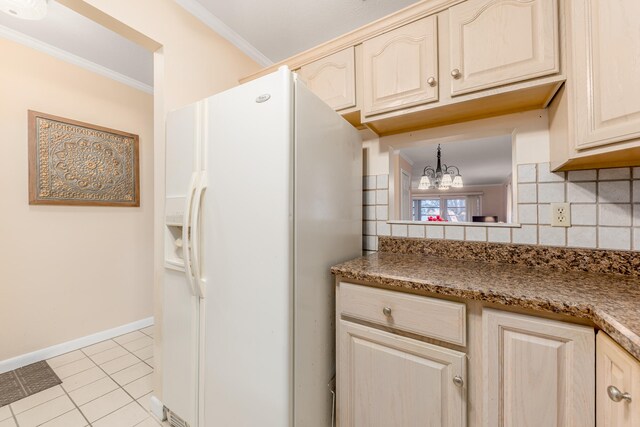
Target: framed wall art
(75, 163)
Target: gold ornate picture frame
(76, 163)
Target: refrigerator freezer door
(183, 135)
(180, 347)
(181, 306)
(328, 230)
(247, 253)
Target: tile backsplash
(605, 211)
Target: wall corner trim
(213, 22)
(66, 347)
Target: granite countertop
(610, 301)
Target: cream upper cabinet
(606, 56)
(400, 67)
(387, 380)
(333, 79)
(538, 372)
(617, 385)
(496, 42)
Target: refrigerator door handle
(201, 186)
(187, 233)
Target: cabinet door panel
(398, 66)
(539, 372)
(496, 42)
(615, 367)
(333, 79)
(387, 380)
(606, 52)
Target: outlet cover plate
(560, 214)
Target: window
(424, 208)
(453, 209)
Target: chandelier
(442, 177)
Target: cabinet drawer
(429, 317)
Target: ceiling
(81, 37)
(484, 161)
(279, 29)
(268, 31)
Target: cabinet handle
(387, 311)
(458, 381)
(456, 74)
(616, 395)
(431, 81)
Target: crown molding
(58, 53)
(408, 160)
(209, 19)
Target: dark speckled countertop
(610, 301)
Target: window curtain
(474, 206)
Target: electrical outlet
(560, 215)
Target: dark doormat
(25, 381)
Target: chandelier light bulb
(457, 182)
(446, 180)
(424, 183)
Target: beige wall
(68, 272)
(194, 62)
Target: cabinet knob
(616, 395)
(387, 311)
(431, 81)
(456, 74)
(458, 381)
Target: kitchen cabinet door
(400, 67)
(496, 42)
(333, 79)
(539, 372)
(606, 48)
(618, 406)
(387, 380)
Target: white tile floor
(104, 385)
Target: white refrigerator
(263, 195)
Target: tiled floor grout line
(15, 419)
(79, 372)
(68, 363)
(76, 406)
(135, 355)
(41, 403)
(88, 384)
(119, 386)
(122, 386)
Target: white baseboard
(66, 347)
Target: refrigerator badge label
(263, 98)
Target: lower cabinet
(617, 385)
(402, 361)
(538, 372)
(388, 380)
